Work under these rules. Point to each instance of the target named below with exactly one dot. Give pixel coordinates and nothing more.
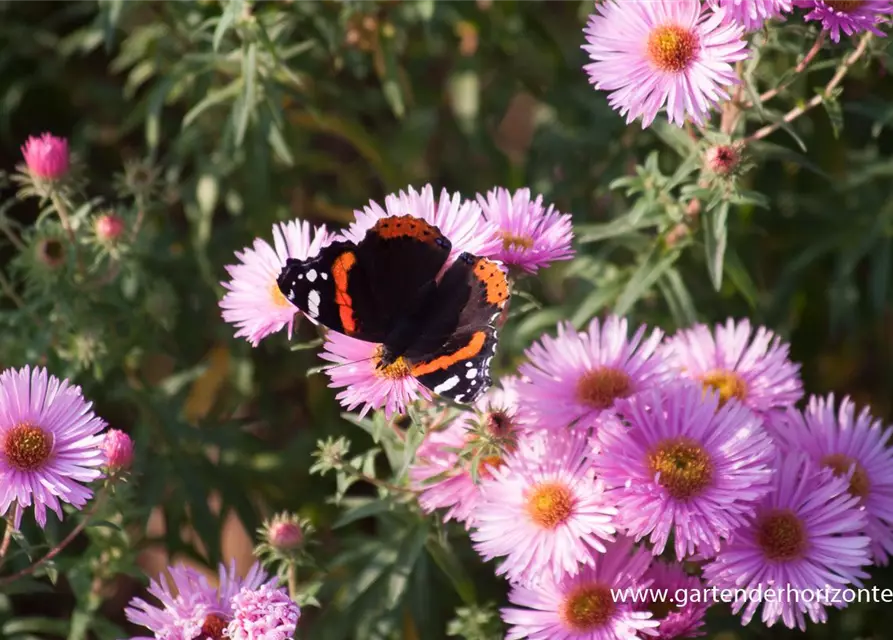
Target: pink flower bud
(46, 156)
(118, 449)
(285, 534)
(108, 227)
(722, 159)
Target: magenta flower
(847, 16)
(118, 449)
(46, 156)
(753, 368)
(532, 235)
(751, 14)
(576, 377)
(662, 53)
(583, 607)
(253, 302)
(807, 534)
(190, 607)
(684, 467)
(676, 619)
(459, 220)
(108, 228)
(856, 447)
(265, 613)
(50, 443)
(544, 513)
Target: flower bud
(46, 156)
(722, 159)
(108, 228)
(118, 449)
(284, 533)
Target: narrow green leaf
(648, 272)
(715, 240)
(247, 102)
(365, 510)
(740, 277)
(620, 226)
(678, 298)
(445, 558)
(215, 97)
(232, 11)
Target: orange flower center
(845, 6)
(27, 447)
(728, 383)
(600, 387)
(277, 298)
(398, 369)
(213, 628)
(488, 464)
(511, 241)
(860, 485)
(550, 504)
(781, 535)
(587, 608)
(685, 467)
(672, 48)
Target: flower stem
(62, 209)
(800, 68)
(293, 579)
(7, 538)
(796, 112)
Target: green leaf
(233, 10)
(833, 109)
(678, 298)
(444, 557)
(715, 240)
(51, 626)
(648, 272)
(620, 226)
(215, 97)
(249, 94)
(740, 277)
(366, 510)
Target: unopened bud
(118, 449)
(722, 159)
(108, 227)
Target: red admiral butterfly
(385, 290)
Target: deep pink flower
(663, 53)
(752, 14)
(682, 620)
(46, 156)
(50, 443)
(684, 467)
(118, 449)
(532, 235)
(847, 16)
(807, 534)
(265, 613)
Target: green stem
(62, 210)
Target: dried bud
(118, 449)
(46, 156)
(108, 228)
(51, 252)
(722, 159)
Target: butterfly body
(394, 288)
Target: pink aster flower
(684, 466)
(46, 156)
(663, 53)
(532, 235)
(459, 220)
(118, 449)
(544, 514)
(265, 613)
(190, 607)
(362, 383)
(440, 473)
(753, 367)
(751, 14)
(253, 302)
(577, 376)
(807, 534)
(847, 16)
(50, 443)
(583, 607)
(852, 445)
(682, 620)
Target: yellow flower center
(860, 485)
(845, 6)
(600, 387)
(685, 467)
(728, 383)
(672, 48)
(27, 447)
(511, 241)
(550, 504)
(587, 608)
(277, 298)
(781, 535)
(398, 369)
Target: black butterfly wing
(452, 355)
(360, 290)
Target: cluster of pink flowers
(680, 55)
(249, 608)
(51, 445)
(615, 447)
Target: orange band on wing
(406, 227)
(470, 350)
(494, 280)
(341, 272)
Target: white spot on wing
(446, 385)
(468, 364)
(311, 275)
(291, 295)
(471, 373)
(324, 275)
(313, 303)
(300, 276)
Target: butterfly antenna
(330, 367)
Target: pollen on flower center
(860, 485)
(512, 241)
(728, 383)
(398, 369)
(672, 48)
(550, 504)
(213, 628)
(845, 6)
(684, 466)
(276, 296)
(486, 465)
(27, 447)
(600, 387)
(781, 535)
(587, 608)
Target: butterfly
(395, 289)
